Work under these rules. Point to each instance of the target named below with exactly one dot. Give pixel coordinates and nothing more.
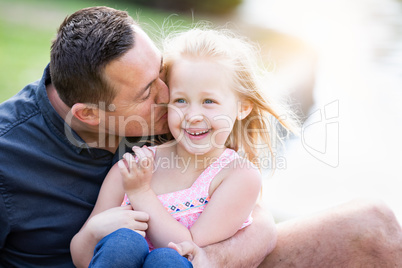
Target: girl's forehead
(198, 62)
(203, 70)
(197, 74)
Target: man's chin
(164, 129)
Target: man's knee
(383, 213)
(382, 230)
(376, 213)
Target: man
(60, 136)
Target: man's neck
(89, 134)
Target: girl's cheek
(174, 119)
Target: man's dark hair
(85, 43)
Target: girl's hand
(196, 255)
(137, 172)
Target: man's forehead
(139, 31)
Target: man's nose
(163, 92)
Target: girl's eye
(208, 101)
(180, 101)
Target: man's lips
(164, 116)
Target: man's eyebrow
(147, 86)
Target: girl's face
(203, 107)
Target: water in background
(351, 145)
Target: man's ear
(245, 108)
(86, 113)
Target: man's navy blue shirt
(48, 184)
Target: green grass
(27, 28)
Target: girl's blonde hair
(240, 57)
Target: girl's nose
(193, 113)
(194, 118)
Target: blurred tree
(206, 6)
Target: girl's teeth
(197, 133)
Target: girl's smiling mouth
(197, 133)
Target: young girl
(198, 187)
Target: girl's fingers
(145, 156)
(138, 152)
(122, 167)
(129, 159)
(140, 232)
(148, 152)
(143, 152)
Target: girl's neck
(199, 161)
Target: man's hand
(113, 219)
(102, 224)
(192, 252)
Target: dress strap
(206, 177)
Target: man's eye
(147, 95)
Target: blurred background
(338, 63)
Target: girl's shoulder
(240, 170)
(241, 166)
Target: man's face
(140, 105)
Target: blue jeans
(126, 248)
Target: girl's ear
(245, 108)
(86, 113)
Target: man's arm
(247, 248)
(362, 233)
(4, 223)
(106, 217)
